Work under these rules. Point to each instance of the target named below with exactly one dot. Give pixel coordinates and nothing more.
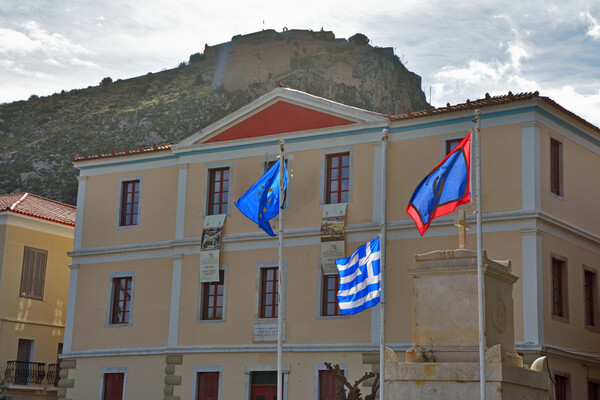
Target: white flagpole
(280, 275)
(480, 283)
(384, 138)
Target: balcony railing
(24, 373)
(53, 374)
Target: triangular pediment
(280, 111)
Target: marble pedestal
(443, 363)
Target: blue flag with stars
(261, 202)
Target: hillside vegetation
(39, 137)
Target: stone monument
(443, 362)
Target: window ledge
(118, 325)
(333, 317)
(210, 321)
(564, 320)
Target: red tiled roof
(38, 207)
(127, 152)
(492, 101)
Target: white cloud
(83, 63)
(586, 105)
(14, 41)
(594, 26)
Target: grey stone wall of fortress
(271, 56)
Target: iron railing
(53, 374)
(24, 373)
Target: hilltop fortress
(269, 55)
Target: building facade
(35, 236)
(148, 318)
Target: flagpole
(280, 275)
(384, 138)
(480, 283)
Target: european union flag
(444, 189)
(360, 278)
(261, 202)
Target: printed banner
(332, 236)
(210, 245)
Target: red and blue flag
(446, 187)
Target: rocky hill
(39, 137)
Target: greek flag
(360, 278)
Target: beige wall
(39, 320)
(150, 311)
(580, 172)
(572, 327)
(157, 208)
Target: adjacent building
(35, 235)
(172, 290)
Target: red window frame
(218, 191)
(327, 385)
(121, 301)
(207, 386)
(558, 295)
(561, 387)
(330, 305)
(555, 167)
(113, 386)
(269, 298)
(130, 201)
(212, 299)
(589, 280)
(593, 390)
(337, 184)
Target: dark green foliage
(106, 81)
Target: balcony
(31, 373)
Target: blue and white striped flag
(360, 278)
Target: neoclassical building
(172, 290)
(35, 236)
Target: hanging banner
(210, 246)
(332, 236)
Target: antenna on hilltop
(429, 94)
(263, 24)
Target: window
(23, 372)
(113, 386)
(590, 295)
(33, 274)
(212, 299)
(593, 390)
(207, 386)
(268, 292)
(264, 385)
(130, 202)
(562, 387)
(556, 167)
(559, 288)
(329, 301)
(218, 191)
(122, 290)
(327, 385)
(451, 144)
(337, 183)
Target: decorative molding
(239, 348)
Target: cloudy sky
(461, 49)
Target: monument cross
(463, 227)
